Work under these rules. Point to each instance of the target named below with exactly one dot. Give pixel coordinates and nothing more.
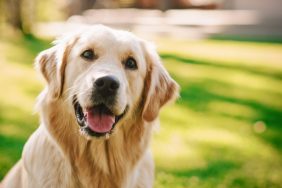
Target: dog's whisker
(71, 97)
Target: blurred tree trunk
(165, 5)
(19, 14)
(2, 19)
(75, 7)
(147, 4)
(154, 4)
(13, 13)
(28, 15)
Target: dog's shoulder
(44, 161)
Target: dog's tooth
(107, 136)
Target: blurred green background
(225, 131)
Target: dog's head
(106, 77)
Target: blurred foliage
(224, 131)
(50, 10)
(23, 14)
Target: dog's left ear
(159, 87)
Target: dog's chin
(96, 121)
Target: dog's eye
(88, 54)
(130, 63)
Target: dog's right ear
(46, 63)
(52, 63)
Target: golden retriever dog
(104, 90)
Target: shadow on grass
(15, 131)
(215, 169)
(197, 95)
(275, 40)
(251, 69)
(34, 45)
(214, 173)
(10, 149)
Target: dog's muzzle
(99, 120)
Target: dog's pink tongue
(100, 123)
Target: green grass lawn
(224, 132)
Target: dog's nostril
(114, 85)
(99, 83)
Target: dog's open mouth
(98, 120)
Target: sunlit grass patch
(228, 117)
(21, 49)
(247, 54)
(233, 109)
(229, 82)
(19, 85)
(214, 155)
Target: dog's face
(105, 77)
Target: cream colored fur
(58, 154)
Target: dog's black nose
(107, 85)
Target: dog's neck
(107, 161)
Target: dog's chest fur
(95, 163)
